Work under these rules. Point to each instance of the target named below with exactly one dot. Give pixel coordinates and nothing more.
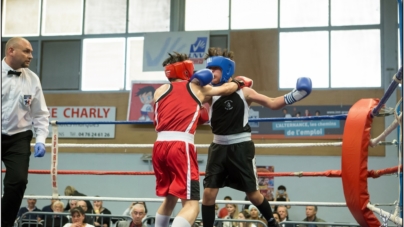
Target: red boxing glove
(245, 81)
(204, 116)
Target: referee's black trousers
(15, 154)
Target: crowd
(85, 213)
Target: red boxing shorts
(176, 169)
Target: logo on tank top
(228, 104)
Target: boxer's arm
(273, 103)
(225, 89)
(160, 91)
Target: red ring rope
(354, 161)
(327, 173)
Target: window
(27, 21)
(103, 64)
(250, 14)
(355, 58)
(358, 12)
(303, 54)
(206, 15)
(149, 16)
(105, 17)
(299, 13)
(134, 67)
(60, 17)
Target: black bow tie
(11, 72)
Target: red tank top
(177, 109)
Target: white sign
(158, 45)
(80, 114)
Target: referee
(23, 107)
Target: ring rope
(394, 218)
(260, 145)
(386, 132)
(328, 173)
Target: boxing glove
(204, 116)
(202, 77)
(302, 90)
(39, 150)
(246, 82)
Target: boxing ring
(354, 160)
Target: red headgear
(180, 70)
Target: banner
(266, 184)
(158, 45)
(305, 129)
(83, 113)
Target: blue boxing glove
(303, 89)
(39, 150)
(202, 77)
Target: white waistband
(232, 139)
(175, 136)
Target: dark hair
(281, 187)
(174, 58)
(213, 51)
(78, 210)
(145, 90)
(315, 207)
(227, 197)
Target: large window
(335, 42)
(338, 46)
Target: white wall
(317, 189)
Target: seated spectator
(276, 217)
(71, 191)
(48, 208)
(232, 210)
(78, 218)
(283, 215)
(29, 208)
(138, 212)
(127, 211)
(223, 212)
(244, 215)
(58, 219)
(255, 215)
(311, 216)
(99, 209)
(83, 205)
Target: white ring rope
(394, 218)
(259, 145)
(386, 132)
(326, 204)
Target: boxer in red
(177, 114)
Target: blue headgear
(225, 64)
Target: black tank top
(229, 114)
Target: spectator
(29, 208)
(83, 205)
(243, 215)
(78, 218)
(282, 195)
(255, 215)
(138, 212)
(283, 215)
(298, 114)
(99, 209)
(285, 113)
(277, 217)
(127, 211)
(71, 191)
(311, 216)
(223, 212)
(232, 211)
(58, 219)
(48, 208)
(307, 113)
